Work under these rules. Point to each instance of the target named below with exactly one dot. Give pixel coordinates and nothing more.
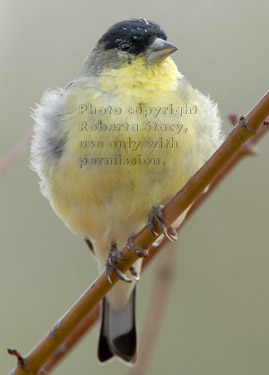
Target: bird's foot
(138, 250)
(157, 215)
(111, 263)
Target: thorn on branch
(242, 121)
(62, 349)
(251, 149)
(42, 372)
(20, 358)
(54, 329)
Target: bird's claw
(138, 250)
(111, 264)
(157, 215)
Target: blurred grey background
(217, 317)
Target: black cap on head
(133, 36)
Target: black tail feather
(104, 353)
(118, 331)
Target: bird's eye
(124, 46)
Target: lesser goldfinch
(124, 136)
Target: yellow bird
(122, 137)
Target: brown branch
(245, 129)
(73, 339)
(15, 154)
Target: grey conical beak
(159, 50)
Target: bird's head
(137, 37)
(129, 40)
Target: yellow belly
(118, 183)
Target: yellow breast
(128, 148)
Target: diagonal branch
(164, 284)
(246, 128)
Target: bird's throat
(137, 78)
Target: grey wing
(49, 138)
